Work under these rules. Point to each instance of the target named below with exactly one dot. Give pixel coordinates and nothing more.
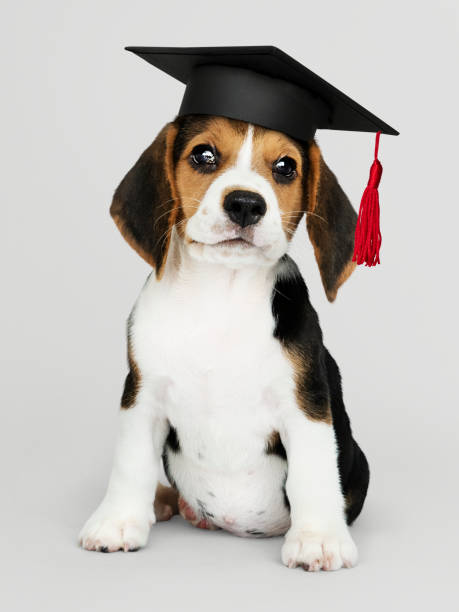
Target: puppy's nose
(244, 207)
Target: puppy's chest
(212, 359)
(222, 380)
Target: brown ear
(145, 206)
(331, 222)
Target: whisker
(191, 198)
(171, 209)
(164, 236)
(290, 224)
(163, 215)
(292, 213)
(318, 216)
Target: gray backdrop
(76, 112)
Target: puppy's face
(240, 189)
(235, 194)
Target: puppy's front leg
(318, 537)
(123, 519)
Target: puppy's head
(235, 194)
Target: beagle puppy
(229, 382)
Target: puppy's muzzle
(244, 207)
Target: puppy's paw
(110, 529)
(166, 503)
(314, 551)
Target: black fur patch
(296, 320)
(353, 465)
(172, 444)
(297, 328)
(172, 440)
(130, 390)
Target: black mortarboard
(260, 85)
(267, 87)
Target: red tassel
(367, 232)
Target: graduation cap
(267, 87)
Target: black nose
(244, 207)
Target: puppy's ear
(145, 204)
(331, 222)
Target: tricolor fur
(229, 381)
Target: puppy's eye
(284, 169)
(204, 158)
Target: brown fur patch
(314, 176)
(268, 147)
(314, 410)
(172, 215)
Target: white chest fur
(204, 344)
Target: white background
(77, 111)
